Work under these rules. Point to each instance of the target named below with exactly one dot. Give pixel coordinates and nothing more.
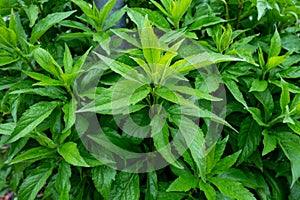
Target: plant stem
(275, 121)
(238, 19)
(25, 60)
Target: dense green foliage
(234, 102)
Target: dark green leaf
(152, 187)
(35, 115)
(270, 142)
(156, 18)
(103, 177)
(266, 99)
(225, 163)
(249, 138)
(235, 91)
(290, 145)
(52, 92)
(125, 187)
(205, 21)
(34, 154)
(63, 184)
(160, 135)
(45, 24)
(34, 182)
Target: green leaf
(249, 138)
(45, 24)
(284, 96)
(226, 39)
(5, 60)
(270, 142)
(48, 91)
(139, 94)
(261, 58)
(136, 17)
(205, 21)
(103, 177)
(76, 25)
(165, 12)
(195, 143)
(155, 17)
(37, 153)
(258, 85)
(261, 6)
(171, 96)
(70, 153)
(125, 187)
(34, 182)
(68, 60)
(232, 188)
(112, 20)
(275, 47)
(295, 127)
(46, 61)
(84, 6)
(35, 115)
(152, 186)
(184, 183)
(104, 11)
(7, 128)
(8, 37)
(160, 135)
(44, 80)
(275, 61)
(235, 91)
(194, 92)
(266, 99)
(124, 70)
(290, 145)
(150, 45)
(69, 110)
(256, 115)
(79, 63)
(121, 96)
(63, 183)
(127, 36)
(209, 191)
(226, 163)
(200, 60)
(32, 12)
(43, 140)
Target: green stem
(69, 90)
(275, 121)
(238, 19)
(226, 10)
(24, 59)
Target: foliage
(165, 84)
